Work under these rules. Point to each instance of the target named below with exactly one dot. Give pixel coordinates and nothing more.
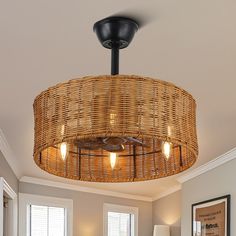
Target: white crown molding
(228, 156)
(8, 155)
(166, 193)
(55, 184)
(12, 206)
(6, 187)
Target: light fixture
(161, 230)
(115, 128)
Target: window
(119, 224)
(45, 216)
(120, 220)
(47, 221)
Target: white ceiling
(190, 43)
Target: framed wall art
(211, 217)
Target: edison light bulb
(166, 149)
(63, 151)
(113, 157)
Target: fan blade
(90, 144)
(114, 148)
(135, 141)
(113, 140)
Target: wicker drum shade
(120, 106)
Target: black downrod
(115, 59)
(115, 33)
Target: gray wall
(88, 209)
(7, 173)
(215, 183)
(167, 211)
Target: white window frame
(119, 209)
(12, 208)
(25, 200)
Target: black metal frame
(228, 214)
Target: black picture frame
(212, 202)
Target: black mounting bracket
(115, 33)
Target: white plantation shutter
(47, 221)
(56, 221)
(38, 217)
(119, 224)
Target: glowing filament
(166, 149)
(63, 151)
(113, 157)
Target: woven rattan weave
(92, 108)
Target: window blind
(47, 221)
(119, 224)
